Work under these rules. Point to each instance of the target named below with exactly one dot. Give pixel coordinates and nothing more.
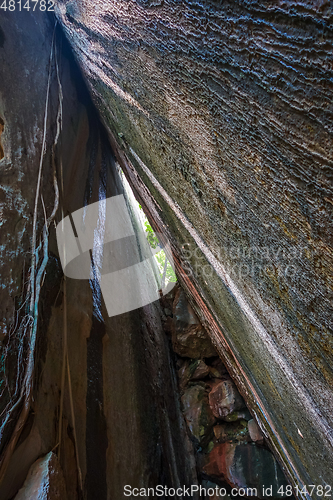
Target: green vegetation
(166, 271)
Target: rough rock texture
(225, 110)
(126, 426)
(197, 412)
(189, 339)
(236, 431)
(45, 481)
(254, 431)
(224, 398)
(246, 466)
(25, 48)
(192, 370)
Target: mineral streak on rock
(225, 110)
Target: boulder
(224, 398)
(201, 370)
(246, 466)
(45, 481)
(195, 370)
(193, 343)
(235, 431)
(217, 369)
(189, 339)
(197, 412)
(183, 312)
(238, 415)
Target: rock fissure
(2, 126)
(230, 449)
(219, 115)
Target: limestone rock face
(45, 481)
(223, 110)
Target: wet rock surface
(45, 481)
(246, 466)
(237, 431)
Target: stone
(193, 343)
(201, 370)
(238, 415)
(198, 415)
(217, 369)
(167, 312)
(254, 431)
(192, 370)
(245, 466)
(224, 398)
(183, 312)
(235, 431)
(45, 481)
(189, 339)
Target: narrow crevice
(2, 126)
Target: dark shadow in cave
(2, 126)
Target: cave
(166, 249)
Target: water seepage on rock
(45, 481)
(197, 412)
(224, 398)
(235, 431)
(246, 466)
(189, 339)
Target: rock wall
(120, 421)
(222, 116)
